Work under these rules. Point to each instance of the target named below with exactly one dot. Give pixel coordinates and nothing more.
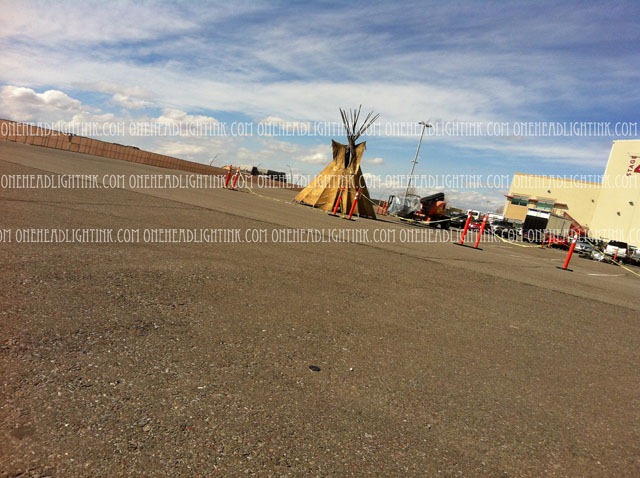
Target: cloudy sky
(501, 82)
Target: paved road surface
(193, 359)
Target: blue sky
(264, 63)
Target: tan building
(609, 209)
(617, 212)
(552, 194)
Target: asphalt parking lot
(296, 343)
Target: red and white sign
(634, 166)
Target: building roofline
(626, 140)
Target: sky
(535, 87)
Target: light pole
(425, 125)
(290, 176)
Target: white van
(475, 214)
(618, 247)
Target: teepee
(340, 180)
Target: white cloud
(90, 21)
(130, 102)
(176, 116)
(374, 161)
(87, 117)
(276, 126)
(486, 200)
(373, 180)
(316, 158)
(115, 88)
(272, 120)
(181, 150)
(277, 147)
(129, 97)
(25, 104)
(555, 150)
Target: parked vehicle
(512, 233)
(474, 214)
(558, 241)
(584, 246)
(535, 223)
(616, 249)
(633, 256)
(503, 228)
(538, 223)
(429, 209)
(434, 211)
(475, 225)
(459, 221)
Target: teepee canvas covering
(343, 176)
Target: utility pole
(290, 176)
(425, 125)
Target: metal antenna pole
(415, 160)
(290, 176)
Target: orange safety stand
(228, 177)
(354, 204)
(465, 230)
(484, 224)
(235, 179)
(569, 254)
(336, 205)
